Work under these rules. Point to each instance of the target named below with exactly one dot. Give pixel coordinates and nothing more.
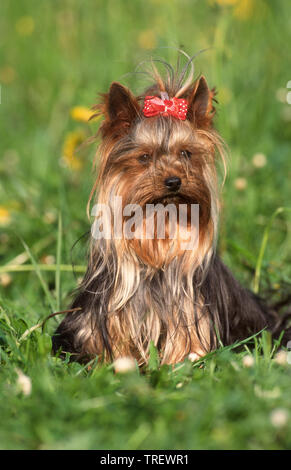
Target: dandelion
(259, 160)
(25, 26)
(23, 383)
(123, 365)
(147, 39)
(240, 184)
(248, 361)
(244, 9)
(279, 417)
(72, 142)
(5, 217)
(82, 114)
(225, 2)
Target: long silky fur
(135, 292)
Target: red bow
(176, 107)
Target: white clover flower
(279, 417)
(281, 357)
(193, 357)
(23, 383)
(259, 160)
(248, 361)
(123, 365)
(240, 184)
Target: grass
(54, 58)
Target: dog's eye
(145, 158)
(185, 154)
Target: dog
(159, 148)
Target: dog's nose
(173, 183)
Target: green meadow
(55, 57)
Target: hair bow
(176, 107)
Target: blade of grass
(37, 247)
(42, 323)
(42, 267)
(40, 277)
(241, 250)
(227, 348)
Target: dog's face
(161, 159)
(166, 164)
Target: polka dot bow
(176, 107)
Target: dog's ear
(200, 108)
(122, 105)
(120, 109)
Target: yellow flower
(147, 39)
(83, 114)
(72, 142)
(224, 2)
(25, 26)
(5, 217)
(244, 9)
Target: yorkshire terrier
(159, 149)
